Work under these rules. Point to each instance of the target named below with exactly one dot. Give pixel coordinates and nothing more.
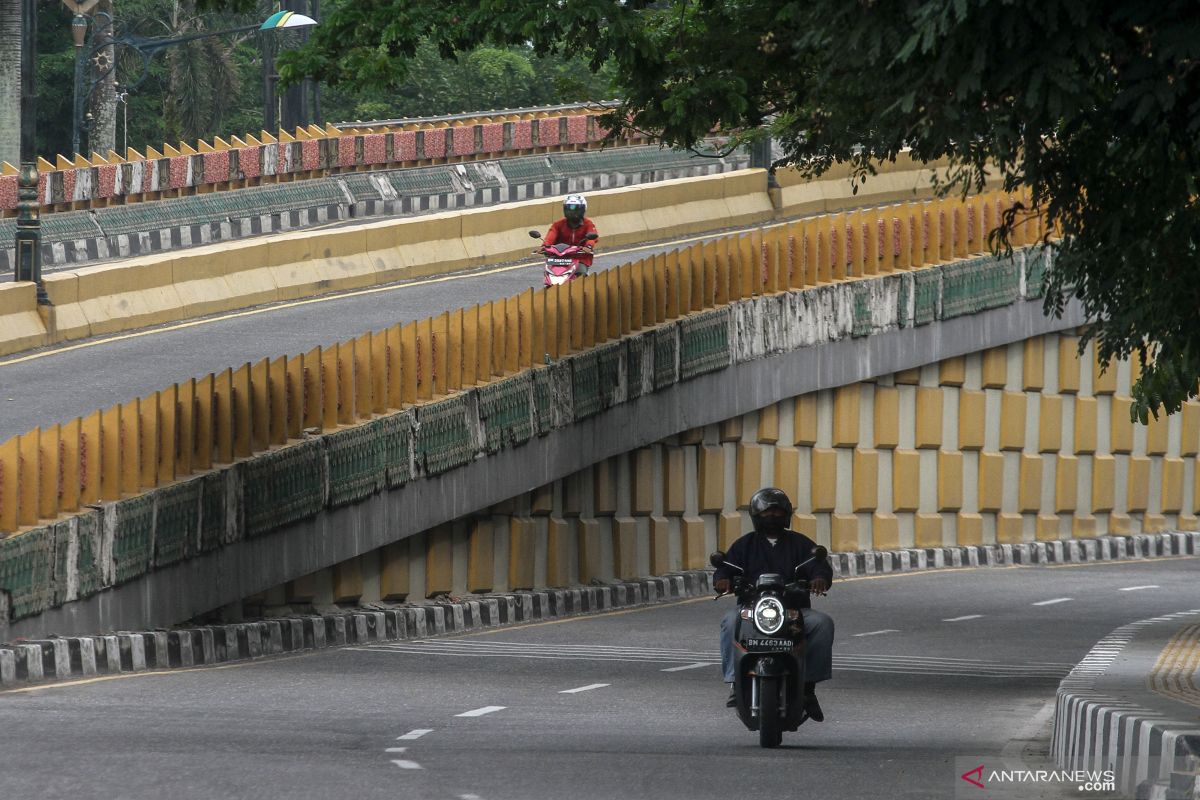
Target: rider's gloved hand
(818, 586)
(721, 585)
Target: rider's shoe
(732, 701)
(813, 709)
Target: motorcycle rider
(772, 547)
(573, 229)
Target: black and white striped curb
(1107, 718)
(27, 662)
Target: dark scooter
(769, 648)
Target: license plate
(771, 645)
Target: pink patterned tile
(493, 137)
(216, 167)
(8, 191)
(523, 135)
(311, 154)
(250, 161)
(179, 172)
(435, 143)
(375, 148)
(577, 129)
(149, 175)
(548, 133)
(464, 140)
(106, 180)
(69, 178)
(404, 146)
(347, 151)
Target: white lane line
(469, 797)
(1052, 602)
(963, 618)
(479, 712)
(405, 763)
(414, 734)
(396, 750)
(1135, 588)
(876, 633)
(697, 665)
(587, 688)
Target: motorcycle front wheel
(770, 724)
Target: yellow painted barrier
(21, 328)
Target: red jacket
(562, 232)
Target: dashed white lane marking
(587, 688)
(876, 633)
(403, 763)
(479, 712)
(396, 750)
(414, 734)
(469, 797)
(697, 665)
(1136, 588)
(963, 618)
(1052, 602)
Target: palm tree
(10, 81)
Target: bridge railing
(98, 180)
(192, 426)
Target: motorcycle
(563, 261)
(769, 650)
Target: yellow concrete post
(470, 346)
(616, 304)
(561, 300)
(525, 351)
(634, 290)
(777, 266)
(499, 335)
(70, 437)
(695, 279)
(659, 274)
(379, 372)
(483, 345)
(709, 257)
(277, 430)
(722, 271)
(168, 432)
(913, 241)
(549, 306)
(331, 390)
(537, 342)
(185, 427)
(808, 253)
(392, 368)
(10, 489)
(90, 460)
(28, 472)
(205, 422)
(599, 305)
(148, 441)
(962, 245)
(131, 453)
(588, 306)
(49, 472)
(575, 300)
(872, 262)
(240, 411)
(886, 239)
(671, 284)
(933, 236)
(512, 335)
(439, 561)
(364, 380)
(260, 406)
(347, 407)
(454, 350)
(838, 246)
(854, 243)
(424, 374)
(742, 268)
(291, 386)
(946, 231)
(313, 403)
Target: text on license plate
(769, 644)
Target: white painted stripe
(697, 665)
(587, 688)
(1136, 588)
(479, 712)
(1052, 602)
(963, 618)
(876, 633)
(414, 734)
(396, 750)
(405, 764)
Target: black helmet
(766, 499)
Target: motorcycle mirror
(535, 235)
(820, 553)
(591, 237)
(717, 558)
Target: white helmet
(574, 208)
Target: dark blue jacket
(757, 556)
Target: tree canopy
(1093, 105)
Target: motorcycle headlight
(768, 615)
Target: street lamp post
(29, 234)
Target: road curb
(1107, 718)
(33, 662)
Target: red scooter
(564, 262)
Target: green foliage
(1093, 105)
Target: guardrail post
(499, 337)
(512, 335)
(392, 352)
(612, 288)
(10, 485)
(347, 406)
(454, 350)
(29, 458)
(185, 426)
(242, 410)
(167, 457)
(574, 308)
(525, 327)
(659, 276)
(69, 475)
(205, 422)
(424, 334)
(147, 442)
(330, 389)
(49, 475)
(277, 381)
(364, 381)
(260, 406)
(311, 407)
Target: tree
(10, 81)
(1093, 105)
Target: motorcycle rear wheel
(770, 724)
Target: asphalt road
(928, 667)
(58, 384)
